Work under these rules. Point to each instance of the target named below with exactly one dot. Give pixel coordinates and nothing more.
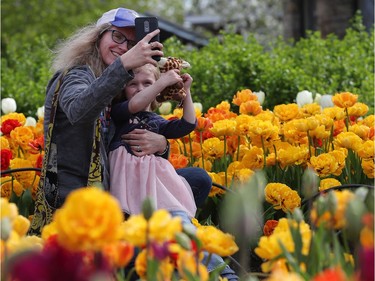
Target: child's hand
(187, 79)
(171, 77)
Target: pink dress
(133, 179)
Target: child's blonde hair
(150, 68)
(155, 70)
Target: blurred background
(31, 28)
(265, 18)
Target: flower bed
(293, 186)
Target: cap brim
(121, 23)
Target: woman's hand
(143, 52)
(144, 142)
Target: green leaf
(152, 269)
(25, 203)
(147, 208)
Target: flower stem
(238, 147)
(191, 151)
(208, 259)
(347, 121)
(201, 143)
(225, 161)
(264, 153)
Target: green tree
(229, 63)
(25, 19)
(30, 29)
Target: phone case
(145, 25)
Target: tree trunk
(299, 16)
(367, 8)
(327, 16)
(333, 16)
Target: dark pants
(199, 181)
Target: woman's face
(109, 49)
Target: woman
(91, 68)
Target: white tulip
(165, 108)
(6, 228)
(40, 112)
(30, 121)
(304, 97)
(326, 101)
(8, 105)
(198, 106)
(317, 98)
(261, 95)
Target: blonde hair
(147, 67)
(82, 48)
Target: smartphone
(145, 25)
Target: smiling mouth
(115, 54)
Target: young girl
(133, 175)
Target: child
(134, 175)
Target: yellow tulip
(89, 219)
(344, 99)
(20, 117)
(328, 183)
(286, 112)
(224, 128)
(217, 242)
(282, 197)
(21, 225)
(358, 109)
(269, 246)
(368, 167)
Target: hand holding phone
(145, 25)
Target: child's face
(142, 80)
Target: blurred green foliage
(25, 19)
(282, 69)
(31, 29)
(229, 63)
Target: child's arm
(142, 99)
(178, 128)
(189, 111)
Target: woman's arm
(82, 97)
(149, 142)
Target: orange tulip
(119, 254)
(344, 99)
